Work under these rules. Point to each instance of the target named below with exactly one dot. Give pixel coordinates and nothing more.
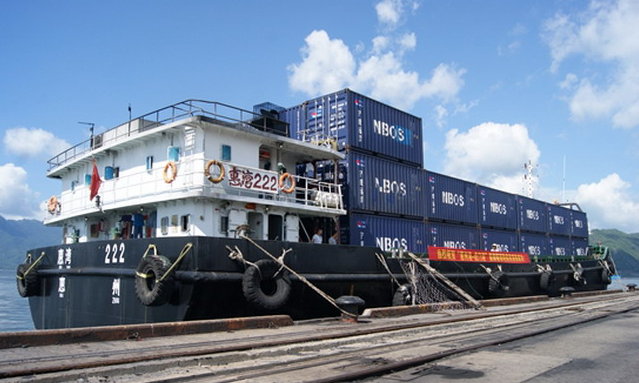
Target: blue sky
(497, 83)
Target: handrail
(177, 111)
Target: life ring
(53, 205)
(264, 287)
(498, 283)
(150, 290)
(207, 171)
(545, 280)
(283, 178)
(403, 296)
(28, 284)
(173, 167)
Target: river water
(15, 314)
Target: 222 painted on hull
(106, 282)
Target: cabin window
(173, 153)
(164, 225)
(149, 163)
(226, 153)
(174, 223)
(224, 225)
(185, 222)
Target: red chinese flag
(95, 181)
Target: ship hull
(93, 284)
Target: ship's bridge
(194, 150)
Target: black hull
(84, 290)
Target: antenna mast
(529, 177)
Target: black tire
(262, 288)
(28, 285)
(605, 277)
(403, 296)
(498, 284)
(149, 290)
(545, 280)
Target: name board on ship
(464, 255)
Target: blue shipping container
(374, 184)
(533, 244)
(558, 220)
(532, 215)
(450, 199)
(578, 224)
(505, 240)
(559, 246)
(452, 236)
(385, 233)
(352, 120)
(579, 246)
(496, 208)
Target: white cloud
(327, 65)
(609, 204)
(440, 115)
(17, 200)
(491, 154)
(33, 142)
(389, 12)
(606, 33)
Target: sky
(497, 83)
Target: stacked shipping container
(381, 175)
(394, 203)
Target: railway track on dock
(319, 351)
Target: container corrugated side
(452, 236)
(534, 244)
(496, 208)
(450, 199)
(559, 246)
(359, 122)
(579, 246)
(385, 233)
(578, 224)
(558, 220)
(296, 118)
(505, 240)
(374, 184)
(532, 215)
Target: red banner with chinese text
(465, 255)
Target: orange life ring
(173, 167)
(207, 171)
(54, 205)
(290, 189)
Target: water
(14, 310)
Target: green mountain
(16, 237)
(625, 249)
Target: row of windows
(184, 224)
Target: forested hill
(16, 237)
(625, 249)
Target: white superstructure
(141, 195)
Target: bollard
(566, 291)
(631, 286)
(350, 304)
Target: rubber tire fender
(403, 296)
(149, 290)
(498, 286)
(605, 277)
(254, 280)
(28, 285)
(545, 280)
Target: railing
(189, 108)
(240, 182)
